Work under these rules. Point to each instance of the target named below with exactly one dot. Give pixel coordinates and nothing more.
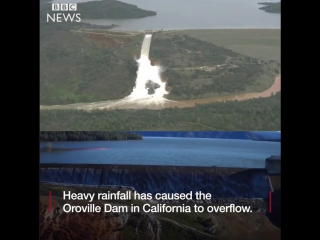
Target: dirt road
(141, 104)
(276, 87)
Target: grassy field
(258, 43)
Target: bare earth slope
(107, 226)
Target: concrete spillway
(149, 88)
(220, 182)
(148, 92)
(146, 46)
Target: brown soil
(155, 62)
(126, 40)
(164, 78)
(104, 40)
(110, 42)
(276, 87)
(89, 226)
(137, 55)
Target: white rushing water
(149, 87)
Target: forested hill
(111, 9)
(53, 136)
(104, 9)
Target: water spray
(149, 89)
(148, 77)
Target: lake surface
(167, 151)
(196, 14)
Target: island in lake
(112, 9)
(271, 7)
(104, 9)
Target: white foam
(145, 73)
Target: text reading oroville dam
(60, 14)
(150, 207)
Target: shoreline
(180, 29)
(135, 166)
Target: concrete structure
(273, 165)
(218, 181)
(146, 46)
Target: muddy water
(122, 104)
(276, 87)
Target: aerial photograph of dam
(164, 68)
(149, 98)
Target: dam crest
(146, 46)
(219, 182)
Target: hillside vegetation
(112, 9)
(255, 114)
(54, 136)
(200, 69)
(264, 44)
(80, 63)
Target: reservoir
(195, 14)
(166, 151)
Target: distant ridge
(274, 136)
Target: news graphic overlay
(102, 183)
(64, 12)
(89, 206)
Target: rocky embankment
(141, 226)
(241, 187)
(108, 226)
(86, 226)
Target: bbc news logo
(57, 16)
(64, 7)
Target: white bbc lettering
(64, 7)
(72, 7)
(64, 17)
(55, 6)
